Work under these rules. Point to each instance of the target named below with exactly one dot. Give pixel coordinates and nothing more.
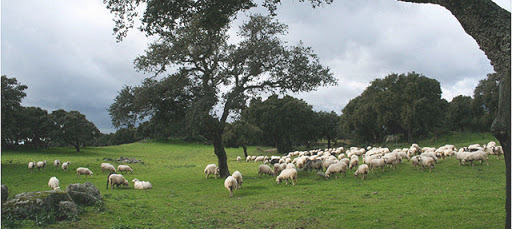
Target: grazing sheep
(238, 176)
(56, 163)
(107, 167)
(116, 179)
(363, 169)
(54, 183)
(259, 158)
(31, 166)
(287, 174)
(415, 161)
(83, 171)
(265, 169)
(142, 185)
(314, 164)
(461, 155)
(476, 156)
(498, 150)
(230, 184)
(353, 162)
(212, 169)
(65, 165)
(327, 163)
(377, 162)
(124, 168)
(248, 158)
(238, 158)
(41, 165)
(339, 167)
(427, 161)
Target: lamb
(124, 168)
(116, 179)
(476, 156)
(238, 158)
(41, 165)
(426, 161)
(83, 171)
(363, 169)
(230, 184)
(212, 169)
(265, 169)
(287, 174)
(339, 167)
(31, 166)
(56, 163)
(499, 151)
(142, 185)
(238, 176)
(108, 167)
(65, 165)
(378, 162)
(54, 183)
(314, 164)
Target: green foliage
(409, 105)
(12, 93)
(286, 122)
(74, 129)
(459, 113)
(485, 102)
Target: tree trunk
(328, 143)
(489, 25)
(409, 136)
(245, 150)
(221, 154)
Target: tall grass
(451, 196)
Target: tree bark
(245, 150)
(219, 150)
(489, 25)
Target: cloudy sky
(64, 50)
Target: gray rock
(84, 194)
(28, 205)
(68, 209)
(5, 193)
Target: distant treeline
(406, 106)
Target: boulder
(68, 210)
(29, 205)
(84, 194)
(5, 193)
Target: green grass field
(452, 196)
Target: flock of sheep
(337, 160)
(112, 179)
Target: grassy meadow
(451, 196)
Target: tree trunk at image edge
(221, 155)
(489, 25)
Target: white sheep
(426, 161)
(230, 184)
(354, 161)
(339, 167)
(56, 163)
(265, 169)
(461, 155)
(54, 183)
(142, 185)
(363, 170)
(107, 167)
(476, 156)
(287, 174)
(326, 163)
(116, 179)
(239, 180)
(65, 165)
(124, 168)
(238, 159)
(83, 171)
(212, 169)
(415, 162)
(41, 165)
(377, 162)
(31, 166)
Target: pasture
(451, 196)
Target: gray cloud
(64, 51)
